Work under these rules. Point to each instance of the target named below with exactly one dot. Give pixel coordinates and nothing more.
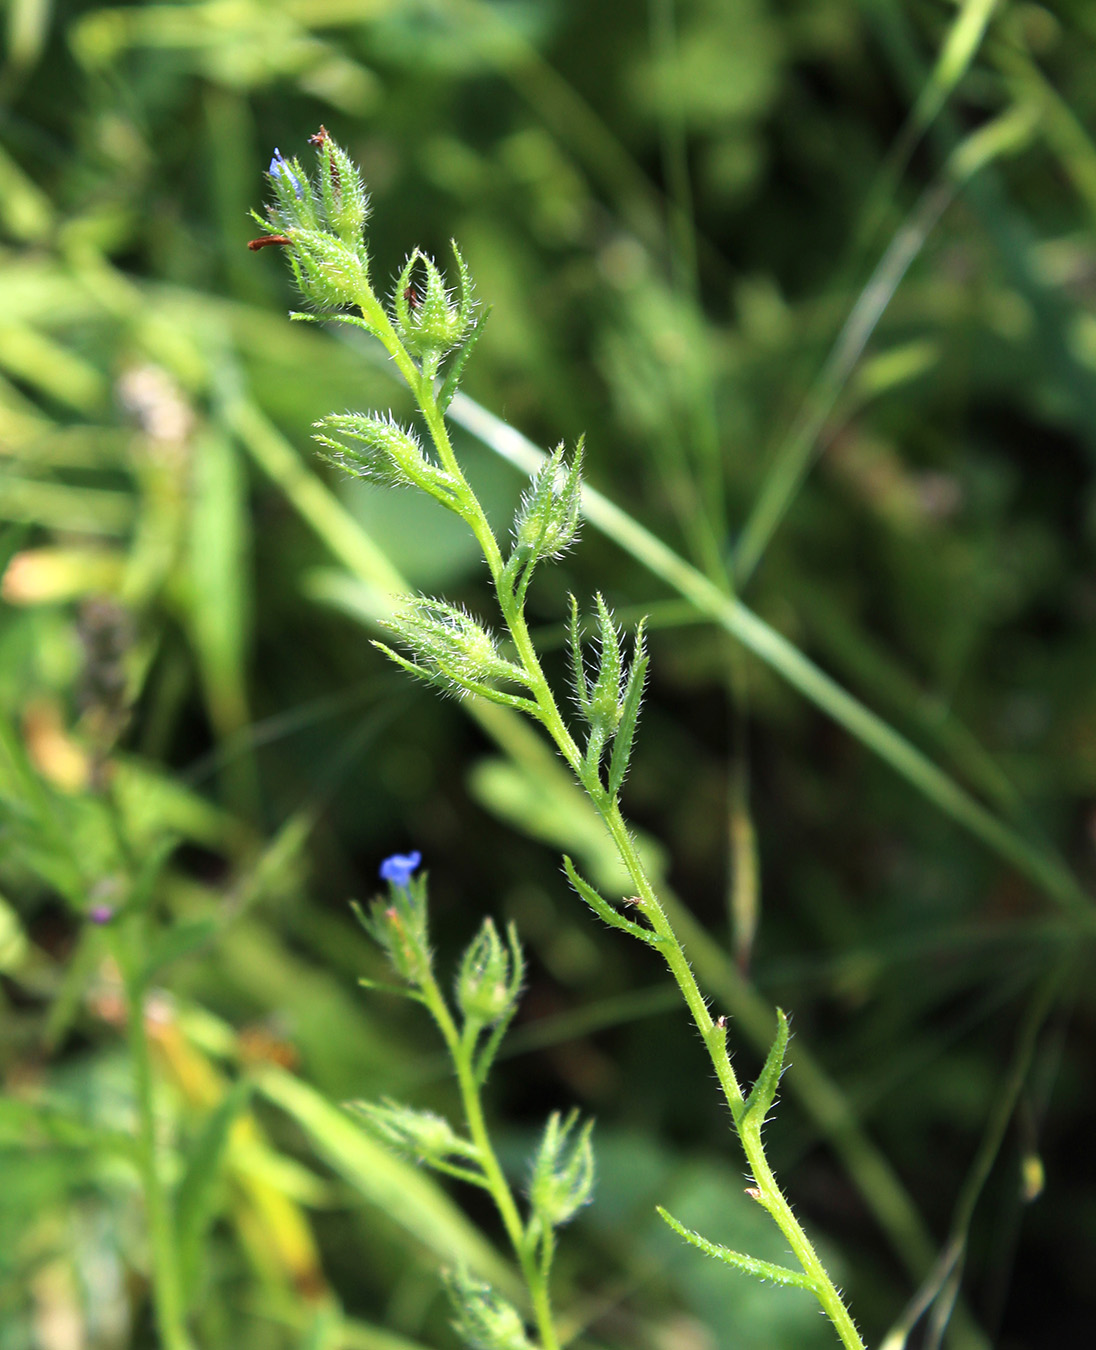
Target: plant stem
(766, 1190)
(462, 1051)
(166, 1291)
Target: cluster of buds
(320, 221)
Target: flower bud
(490, 976)
(483, 1319)
(329, 272)
(547, 521)
(563, 1170)
(345, 200)
(450, 645)
(429, 321)
(422, 1135)
(397, 923)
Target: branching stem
(766, 1189)
(462, 1051)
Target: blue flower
(279, 168)
(399, 867)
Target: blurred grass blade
(793, 459)
(52, 368)
(57, 506)
(1062, 129)
(409, 1198)
(25, 211)
(1038, 864)
(941, 1287)
(308, 494)
(196, 1197)
(956, 56)
(28, 24)
(1004, 135)
(217, 603)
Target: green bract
(377, 447)
(451, 648)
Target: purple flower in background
(279, 168)
(100, 913)
(398, 868)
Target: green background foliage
(815, 278)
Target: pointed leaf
(455, 368)
(760, 1100)
(762, 1270)
(630, 704)
(604, 910)
(580, 685)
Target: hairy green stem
(765, 1189)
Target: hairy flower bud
(450, 646)
(422, 1135)
(490, 975)
(563, 1170)
(397, 923)
(429, 321)
(483, 1320)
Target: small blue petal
(279, 168)
(398, 868)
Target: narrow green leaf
(604, 910)
(580, 685)
(762, 1270)
(760, 1100)
(355, 320)
(459, 359)
(629, 711)
(177, 942)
